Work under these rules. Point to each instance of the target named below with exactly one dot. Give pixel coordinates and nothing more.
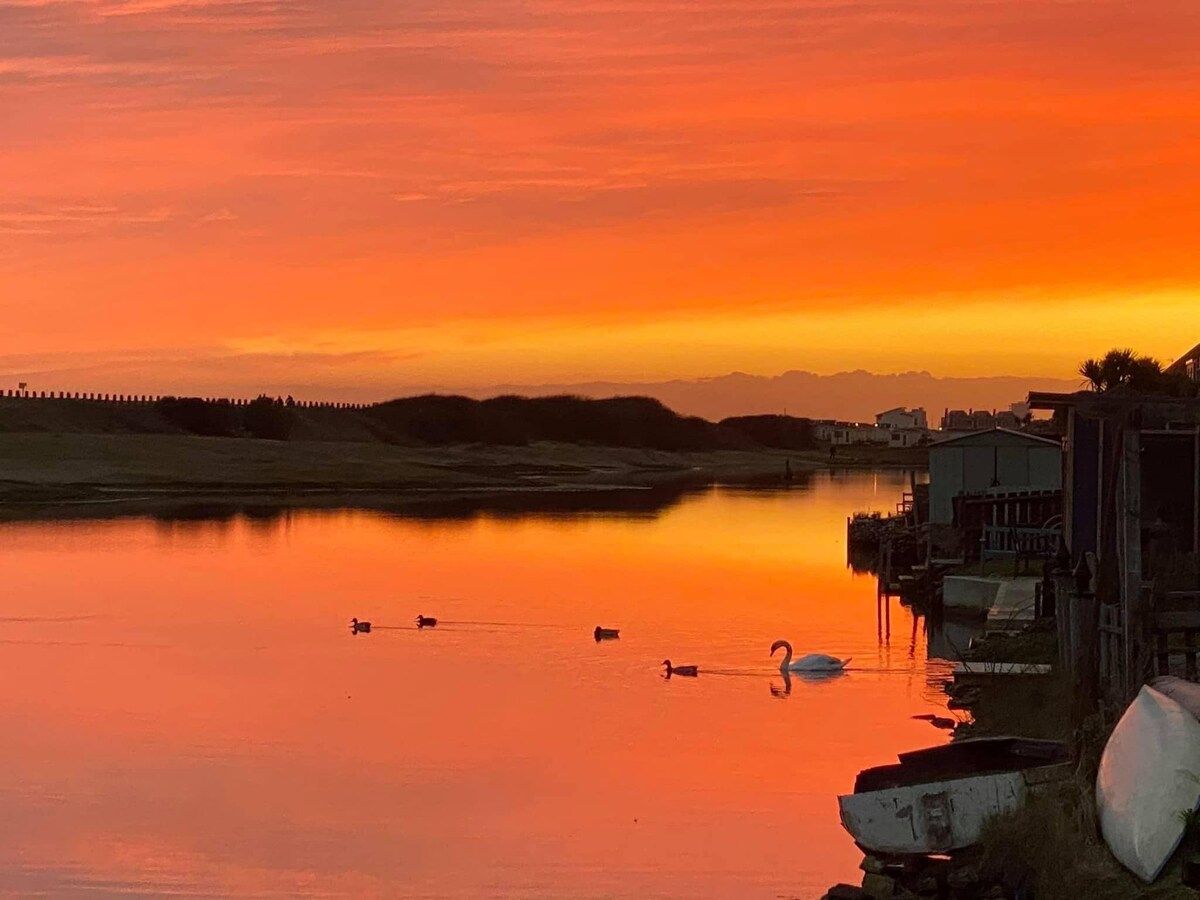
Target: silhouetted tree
(785, 432)
(1124, 368)
(199, 416)
(267, 418)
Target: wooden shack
(1131, 531)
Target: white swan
(813, 662)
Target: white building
(902, 418)
(823, 429)
(982, 461)
(843, 433)
(908, 437)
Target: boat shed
(995, 461)
(1131, 525)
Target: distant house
(957, 420)
(989, 462)
(1188, 364)
(902, 418)
(823, 429)
(1007, 419)
(979, 420)
(908, 437)
(854, 433)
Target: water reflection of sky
(187, 712)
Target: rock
(846, 892)
(927, 886)
(873, 864)
(962, 878)
(878, 887)
(995, 892)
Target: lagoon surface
(187, 713)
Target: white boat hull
(1185, 693)
(1149, 775)
(930, 818)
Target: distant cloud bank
(855, 396)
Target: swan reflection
(813, 678)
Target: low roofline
(1110, 402)
(1036, 438)
(1178, 365)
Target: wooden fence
(143, 399)
(1010, 523)
(1007, 541)
(1175, 635)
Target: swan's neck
(787, 658)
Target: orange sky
(244, 193)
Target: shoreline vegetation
(63, 454)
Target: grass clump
(1051, 847)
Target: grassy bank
(52, 467)
(67, 450)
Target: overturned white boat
(1149, 778)
(1185, 693)
(938, 799)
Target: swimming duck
(358, 627)
(689, 671)
(813, 662)
(426, 621)
(606, 634)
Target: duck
(358, 627)
(938, 721)
(813, 662)
(426, 621)
(606, 634)
(689, 671)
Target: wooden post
(1196, 495)
(1130, 555)
(1085, 640)
(1064, 598)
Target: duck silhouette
(687, 671)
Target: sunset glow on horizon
(233, 194)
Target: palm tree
(1122, 367)
(1093, 373)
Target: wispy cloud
(396, 165)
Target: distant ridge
(854, 396)
(427, 420)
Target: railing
(1007, 541)
(1022, 507)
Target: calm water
(186, 712)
